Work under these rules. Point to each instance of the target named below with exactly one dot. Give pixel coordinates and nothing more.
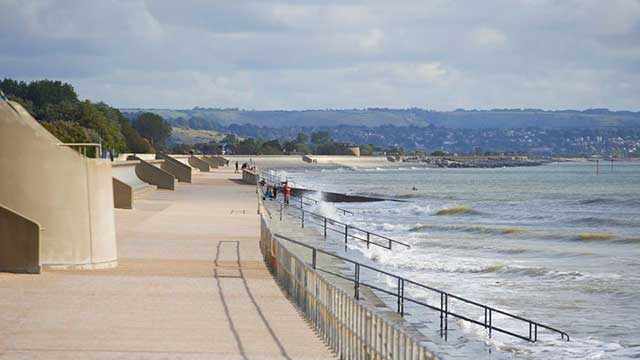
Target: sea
(558, 244)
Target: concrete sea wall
(69, 195)
(20, 245)
(353, 329)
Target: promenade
(190, 284)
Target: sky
(433, 54)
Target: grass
(192, 136)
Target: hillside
(191, 136)
(215, 119)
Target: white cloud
(487, 37)
(269, 54)
(373, 40)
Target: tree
(44, 92)
(134, 142)
(320, 137)
(70, 132)
(302, 138)
(439, 153)
(230, 139)
(367, 150)
(271, 148)
(207, 148)
(90, 116)
(247, 146)
(152, 127)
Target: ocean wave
(507, 270)
(472, 229)
(632, 201)
(595, 236)
(457, 210)
(594, 220)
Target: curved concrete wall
(225, 161)
(213, 163)
(69, 195)
(19, 243)
(250, 177)
(125, 171)
(156, 176)
(122, 195)
(181, 171)
(199, 164)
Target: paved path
(190, 284)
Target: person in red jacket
(287, 192)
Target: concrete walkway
(190, 284)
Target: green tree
(90, 116)
(134, 142)
(439, 153)
(247, 146)
(42, 92)
(320, 137)
(302, 138)
(367, 150)
(271, 147)
(152, 127)
(230, 139)
(207, 148)
(70, 132)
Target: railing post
(346, 234)
(357, 283)
(302, 219)
(325, 227)
(402, 300)
(368, 239)
(313, 258)
(490, 323)
(446, 315)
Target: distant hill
(217, 119)
(191, 136)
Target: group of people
(248, 166)
(271, 191)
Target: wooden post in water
(597, 166)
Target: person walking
(286, 189)
(237, 166)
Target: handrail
(315, 202)
(82, 147)
(488, 322)
(370, 236)
(269, 176)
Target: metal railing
(274, 178)
(445, 298)
(342, 228)
(316, 202)
(83, 148)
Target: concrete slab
(191, 284)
